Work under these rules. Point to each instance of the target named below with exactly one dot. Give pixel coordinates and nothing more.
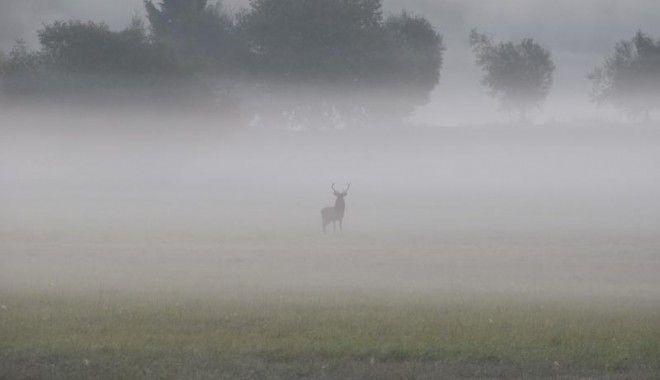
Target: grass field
(238, 335)
(485, 252)
(331, 308)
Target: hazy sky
(580, 34)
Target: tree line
(290, 61)
(294, 62)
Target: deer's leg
(334, 226)
(341, 231)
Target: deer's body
(336, 213)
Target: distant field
(133, 251)
(333, 308)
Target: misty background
(579, 34)
(578, 187)
(104, 169)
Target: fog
(411, 179)
(92, 199)
(458, 197)
(310, 188)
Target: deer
(336, 213)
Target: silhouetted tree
(414, 51)
(87, 47)
(409, 66)
(200, 33)
(86, 60)
(630, 78)
(312, 40)
(518, 74)
(340, 60)
(337, 61)
(22, 72)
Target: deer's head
(341, 194)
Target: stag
(336, 213)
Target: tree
(630, 78)
(86, 60)
(339, 60)
(300, 40)
(520, 74)
(92, 48)
(23, 71)
(409, 66)
(200, 33)
(414, 54)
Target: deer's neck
(340, 206)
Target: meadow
(331, 307)
(129, 251)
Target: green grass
(322, 335)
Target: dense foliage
(339, 61)
(201, 34)
(83, 60)
(630, 78)
(519, 74)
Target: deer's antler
(348, 186)
(333, 187)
